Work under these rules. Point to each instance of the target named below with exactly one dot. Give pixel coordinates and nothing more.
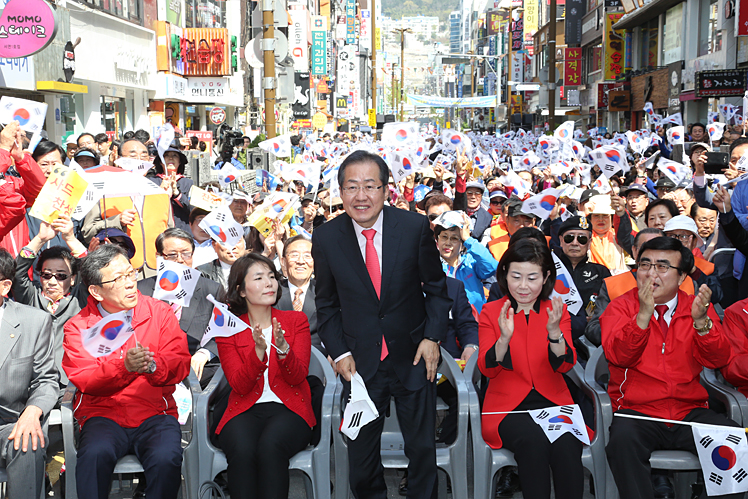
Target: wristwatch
(473, 346)
(557, 340)
(707, 327)
(433, 339)
(151, 367)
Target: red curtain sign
(572, 66)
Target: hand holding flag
(108, 334)
(175, 283)
(222, 322)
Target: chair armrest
(68, 439)
(734, 401)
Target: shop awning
(643, 14)
(60, 86)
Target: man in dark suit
(382, 309)
(28, 387)
(178, 246)
(297, 265)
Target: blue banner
(426, 100)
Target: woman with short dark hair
(525, 346)
(269, 417)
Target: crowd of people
(527, 251)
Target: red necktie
(661, 310)
(372, 266)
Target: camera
(234, 138)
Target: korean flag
(555, 421)
(279, 146)
(134, 165)
(715, 130)
(676, 135)
(221, 226)
(400, 134)
(359, 411)
(541, 204)
(610, 159)
(676, 172)
(723, 454)
(564, 286)
(175, 282)
(109, 334)
(228, 174)
(222, 322)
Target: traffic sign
(217, 115)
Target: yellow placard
(260, 217)
(372, 118)
(200, 198)
(60, 194)
(319, 120)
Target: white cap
(682, 222)
(600, 205)
(450, 219)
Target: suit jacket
(28, 375)
(309, 308)
(414, 302)
(195, 318)
(212, 270)
(462, 328)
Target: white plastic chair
(314, 461)
(488, 461)
(450, 458)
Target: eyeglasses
(496, 202)
(682, 237)
(569, 238)
(433, 217)
(474, 194)
(60, 276)
(120, 280)
(660, 268)
(336, 207)
(295, 256)
(142, 155)
(352, 190)
(186, 255)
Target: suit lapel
(9, 326)
(352, 251)
(308, 305)
(390, 246)
(189, 312)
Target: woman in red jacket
(269, 416)
(525, 346)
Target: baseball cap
(633, 187)
(683, 222)
(475, 185)
(601, 205)
(587, 194)
(113, 232)
(665, 182)
(514, 208)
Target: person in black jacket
(172, 180)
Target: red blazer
(735, 327)
(530, 367)
(246, 374)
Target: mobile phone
(715, 162)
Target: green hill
(397, 8)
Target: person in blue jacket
(463, 257)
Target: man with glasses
(124, 401)
(657, 340)
(176, 245)
(575, 234)
(28, 388)
(297, 264)
(333, 208)
(479, 217)
(382, 309)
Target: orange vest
(703, 265)
(623, 283)
(157, 208)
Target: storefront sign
(217, 115)
(531, 19)
(493, 20)
(614, 47)
(619, 100)
(742, 19)
(26, 27)
(301, 106)
(721, 83)
(517, 29)
(205, 52)
(319, 45)
(350, 22)
(572, 66)
(575, 11)
(171, 87)
(319, 121)
(297, 36)
(18, 73)
(602, 94)
(364, 40)
(674, 80)
(203, 136)
(207, 89)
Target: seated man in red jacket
(657, 339)
(125, 402)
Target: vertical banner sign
(492, 21)
(518, 66)
(575, 11)
(517, 29)
(297, 36)
(319, 45)
(530, 20)
(460, 70)
(614, 47)
(742, 16)
(350, 22)
(378, 40)
(302, 100)
(364, 41)
(572, 66)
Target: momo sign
(26, 27)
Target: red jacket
(736, 330)
(246, 374)
(16, 195)
(653, 374)
(530, 366)
(106, 388)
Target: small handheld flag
(109, 334)
(222, 322)
(175, 282)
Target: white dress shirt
(292, 289)
(671, 306)
(268, 395)
(361, 238)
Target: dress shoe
(662, 487)
(508, 482)
(402, 489)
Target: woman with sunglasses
(57, 291)
(525, 347)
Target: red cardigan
(530, 367)
(246, 374)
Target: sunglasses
(433, 217)
(569, 238)
(335, 208)
(496, 201)
(60, 276)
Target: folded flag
(359, 411)
(675, 119)
(134, 165)
(565, 287)
(555, 421)
(565, 131)
(222, 323)
(228, 174)
(109, 334)
(175, 282)
(265, 177)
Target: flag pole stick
(674, 421)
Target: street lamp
(402, 32)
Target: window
(648, 43)
(710, 37)
(125, 9)
(671, 41)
